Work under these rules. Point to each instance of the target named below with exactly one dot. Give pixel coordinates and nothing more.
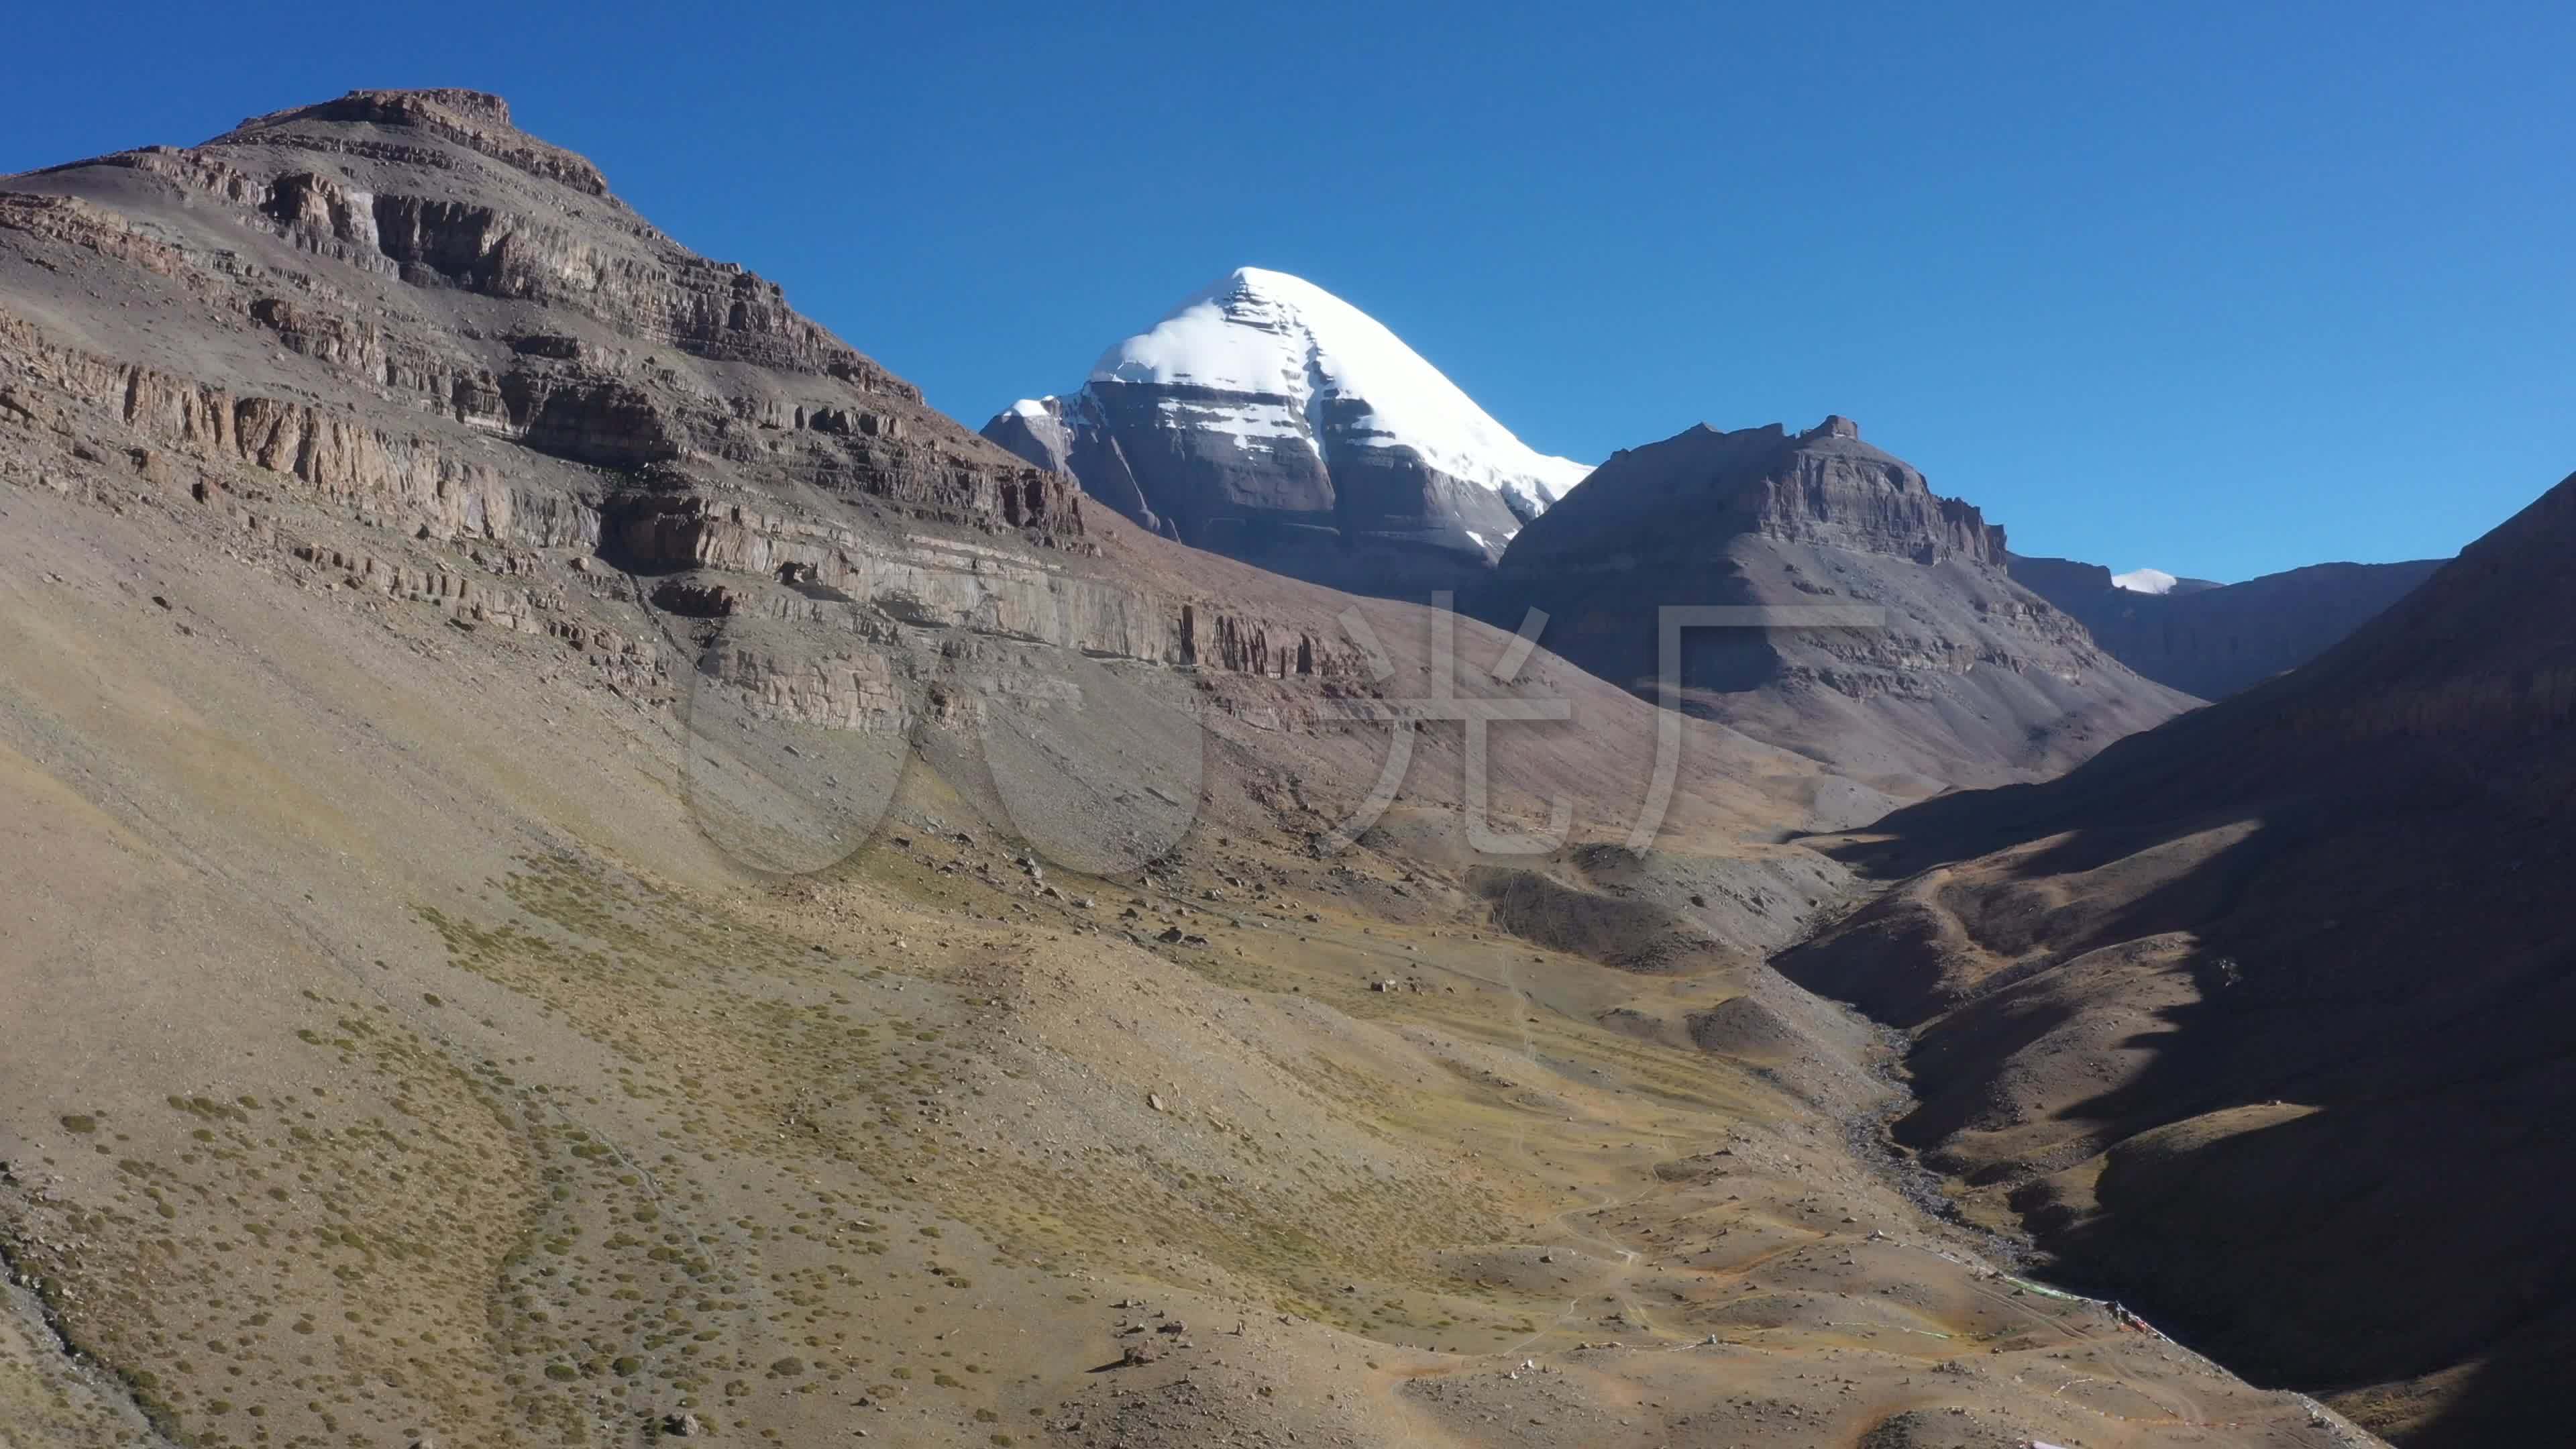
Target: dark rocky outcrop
(1077, 448)
(2215, 639)
(1968, 678)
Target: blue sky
(2219, 289)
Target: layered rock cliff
(1950, 673)
(365, 234)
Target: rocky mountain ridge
(1960, 676)
(1822, 486)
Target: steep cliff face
(1268, 420)
(2215, 639)
(1953, 674)
(2339, 897)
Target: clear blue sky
(2215, 288)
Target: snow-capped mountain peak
(1280, 337)
(2145, 581)
(1268, 419)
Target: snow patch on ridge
(1256, 421)
(2145, 581)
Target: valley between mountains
(589, 870)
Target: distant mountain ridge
(2211, 639)
(1267, 419)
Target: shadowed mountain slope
(2263, 1018)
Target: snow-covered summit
(2145, 581)
(1269, 420)
(1308, 367)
